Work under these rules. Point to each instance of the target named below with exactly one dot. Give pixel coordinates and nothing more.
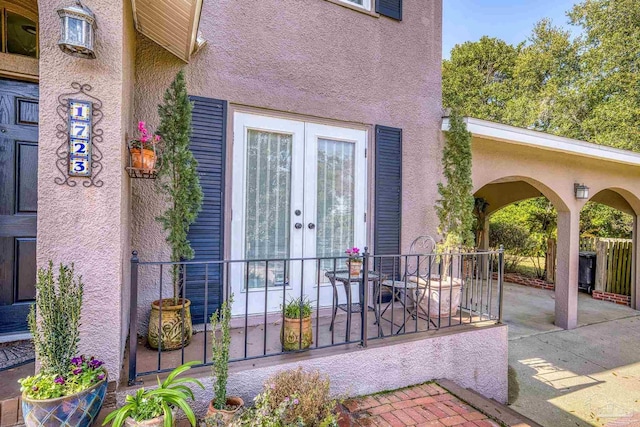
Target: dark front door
(18, 201)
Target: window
(364, 4)
(18, 32)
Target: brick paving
(425, 405)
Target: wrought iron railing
(400, 294)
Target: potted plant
(222, 408)
(143, 149)
(296, 332)
(68, 390)
(179, 184)
(455, 213)
(354, 262)
(157, 407)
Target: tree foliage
(177, 175)
(455, 208)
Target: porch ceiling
(173, 24)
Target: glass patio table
(344, 277)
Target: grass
(527, 267)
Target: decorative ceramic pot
(172, 332)
(77, 410)
(355, 267)
(143, 158)
(290, 334)
(224, 415)
(442, 300)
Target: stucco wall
(314, 58)
(475, 359)
(88, 226)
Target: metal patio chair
(411, 289)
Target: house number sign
(78, 157)
(79, 138)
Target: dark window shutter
(206, 234)
(390, 8)
(388, 197)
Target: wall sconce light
(581, 191)
(77, 32)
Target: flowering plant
(82, 373)
(354, 254)
(145, 140)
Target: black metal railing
(391, 295)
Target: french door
(299, 191)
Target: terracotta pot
(173, 333)
(143, 158)
(225, 415)
(355, 267)
(290, 334)
(77, 410)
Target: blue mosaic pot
(77, 410)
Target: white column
(567, 269)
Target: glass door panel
(268, 206)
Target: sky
(509, 20)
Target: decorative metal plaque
(78, 154)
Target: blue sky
(509, 20)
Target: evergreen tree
(177, 175)
(455, 208)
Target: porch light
(581, 191)
(77, 32)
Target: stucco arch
(509, 189)
(617, 198)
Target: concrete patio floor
(589, 376)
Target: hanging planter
(143, 157)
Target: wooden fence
(613, 263)
(613, 266)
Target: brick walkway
(422, 405)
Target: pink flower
(141, 127)
(156, 138)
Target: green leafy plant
(177, 175)
(171, 394)
(455, 208)
(298, 308)
(54, 320)
(220, 343)
(293, 398)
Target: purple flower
(95, 363)
(286, 399)
(77, 371)
(76, 360)
(296, 401)
(35, 388)
(59, 380)
(272, 386)
(100, 377)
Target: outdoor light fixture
(582, 191)
(77, 32)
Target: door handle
(311, 226)
(298, 226)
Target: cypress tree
(177, 175)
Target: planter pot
(437, 303)
(154, 422)
(143, 158)
(290, 334)
(77, 410)
(172, 333)
(224, 415)
(355, 268)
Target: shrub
(517, 241)
(220, 343)
(292, 399)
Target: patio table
(344, 277)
